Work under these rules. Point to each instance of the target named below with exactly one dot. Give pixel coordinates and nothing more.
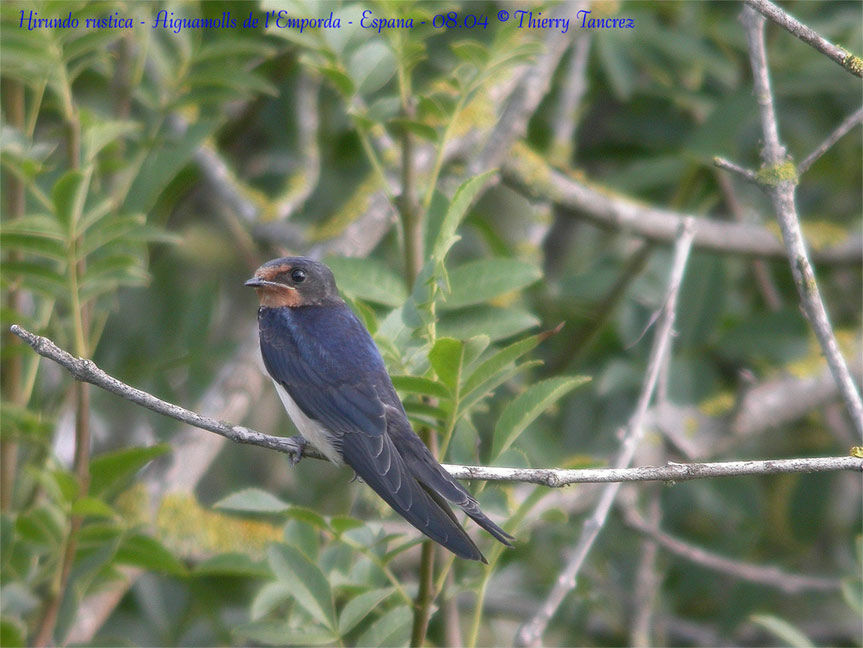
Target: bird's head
(293, 282)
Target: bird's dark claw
(301, 447)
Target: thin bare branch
(87, 371)
(808, 35)
(648, 580)
(573, 86)
(530, 634)
(670, 472)
(781, 189)
(760, 269)
(532, 87)
(743, 172)
(849, 123)
(763, 575)
(531, 175)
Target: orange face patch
(276, 297)
(279, 295)
(269, 273)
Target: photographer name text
(281, 19)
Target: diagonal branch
(763, 575)
(780, 182)
(847, 124)
(87, 371)
(808, 35)
(530, 634)
(529, 174)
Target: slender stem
(411, 214)
(847, 124)
(75, 268)
(13, 103)
(425, 595)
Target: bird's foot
(301, 447)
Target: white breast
(311, 430)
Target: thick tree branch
(808, 35)
(87, 371)
(531, 175)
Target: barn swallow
(332, 380)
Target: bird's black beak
(255, 282)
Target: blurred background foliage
(146, 173)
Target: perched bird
(332, 381)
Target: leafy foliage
(147, 171)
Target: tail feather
(420, 506)
(433, 476)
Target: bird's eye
(298, 275)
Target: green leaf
(41, 225)
(776, 337)
(484, 389)
(252, 500)
(35, 276)
(785, 631)
(35, 245)
(306, 581)
(103, 133)
(237, 80)
(483, 280)
(309, 517)
(473, 348)
(617, 68)
(359, 607)
(343, 523)
(112, 468)
(461, 201)
(116, 228)
(231, 564)
(68, 197)
(342, 81)
(399, 125)
(392, 629)
(496, 323)
(371, 66)
(92, 507)
(500, 360)
(420, 385)
(279, 633)
(145, 551)
(369, 280)
(164, 162)
(471, 51)
(43, 526)
(13, 632)
(268, 598)
(527, 406)
(446, 359)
